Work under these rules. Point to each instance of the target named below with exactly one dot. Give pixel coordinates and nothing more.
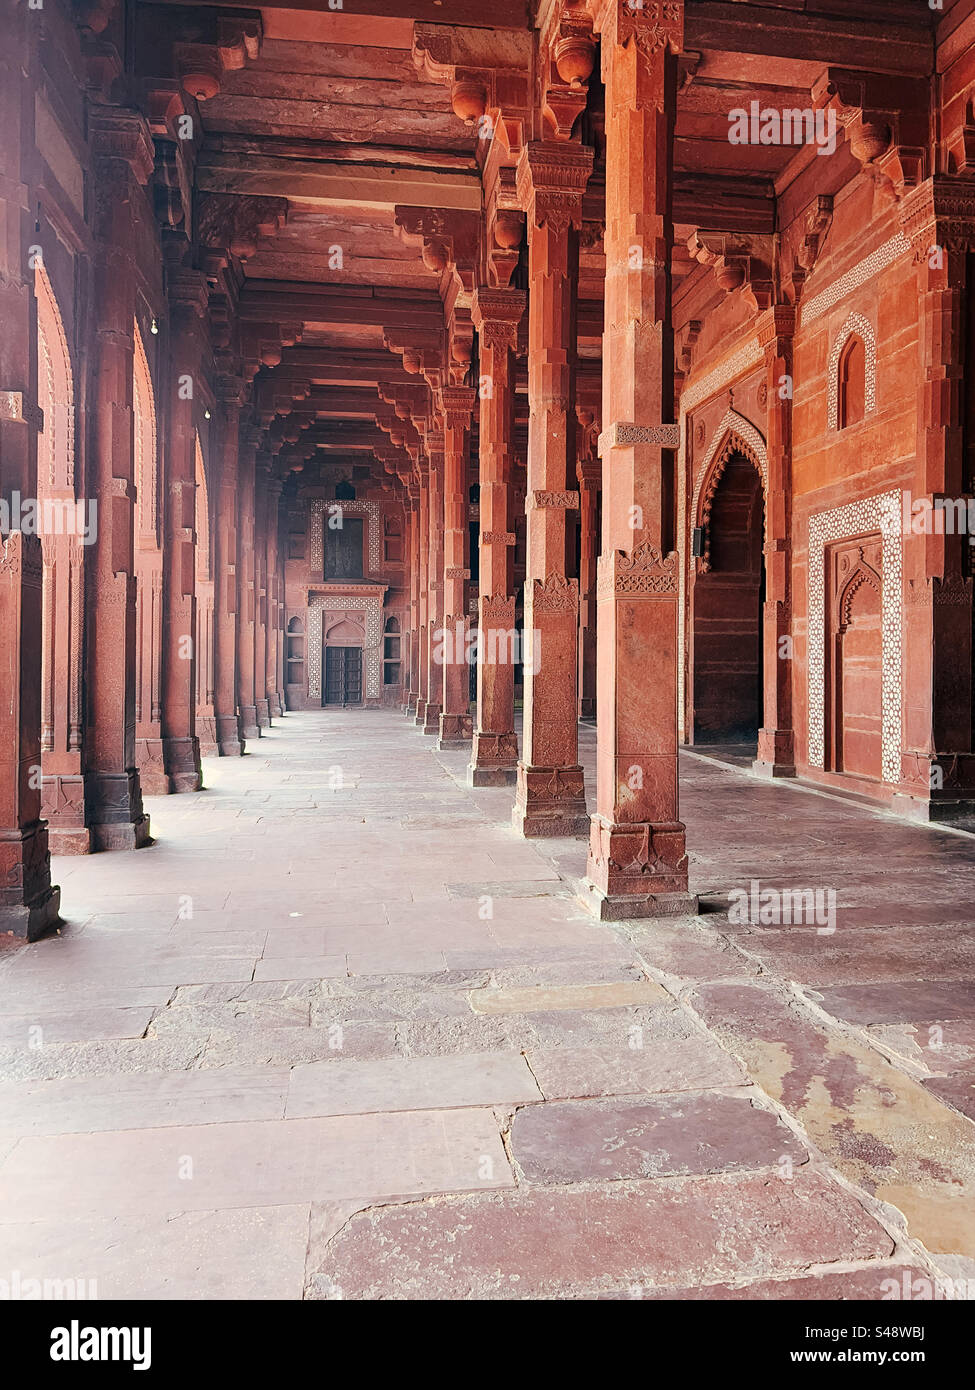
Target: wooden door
(343, 676)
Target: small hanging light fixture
(154, 327)
(206, 414)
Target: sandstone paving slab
(897, 1001)
(251, 1164)
(300, 967)
(677, 1059)
(547, 1242)
(540, 998)
(81, 1025)
(163, 971)
(877, 1282)
(144, 1100)
(60, 999)
(648, 1137)
(297, 941)
(877, 1126)
(689, 954)
(250, 1253)
(866, 956)
(936, 1046)
(393, 1004)
(397, 962)
(958, 1090)
(410, 1083)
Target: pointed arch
(734, 435)
(856, 326)
(202, 516)
(55, 389)
(146, 449)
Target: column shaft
(637, 861)
(494, 756)
(181, 749)
(550, 794)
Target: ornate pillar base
(63, 807)
(456, 731)
(937, 788)
(249, 727)
(263, 714)
(229, 742)
(550, 801)
(776, 754)
(409, 709)
(420, 716)
(494, 760)
(152, 767)
(636, 871)
(431, 718)
(115, 816)
(182, 761)
(206, 733)
(27, 880)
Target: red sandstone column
(273, 638)
(776, 740)
(229, 742)
(494, 756)
(28, 902)
(937, 760)
(434, 653)
(550, 796)
(246, 698)
(423, 599)
(455, 718)
(262, 477)
(413, 688)
(181, 749)
(637, 861)
(588, 474)
(123, 162)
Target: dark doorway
(343, 548)
(343, 676)
(728, 601)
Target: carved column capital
(496, 315)
(552, 177)
(120, 135)
(652, 25)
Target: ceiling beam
(892, 39)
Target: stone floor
(339, 1033)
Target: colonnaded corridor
(341, 1033)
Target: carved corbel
(230, 224)
(815, 230)
(889, 141)
(568, 50)
(738, 262)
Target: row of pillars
(637, 862)
(219, 682)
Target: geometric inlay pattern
(861, 273)
(883, 514)
(372, 510)
(860, 327)
(373, 615)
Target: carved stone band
(568, 501)
(498, 537)
(456, 574)
(620, 436)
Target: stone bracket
(620, 435)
